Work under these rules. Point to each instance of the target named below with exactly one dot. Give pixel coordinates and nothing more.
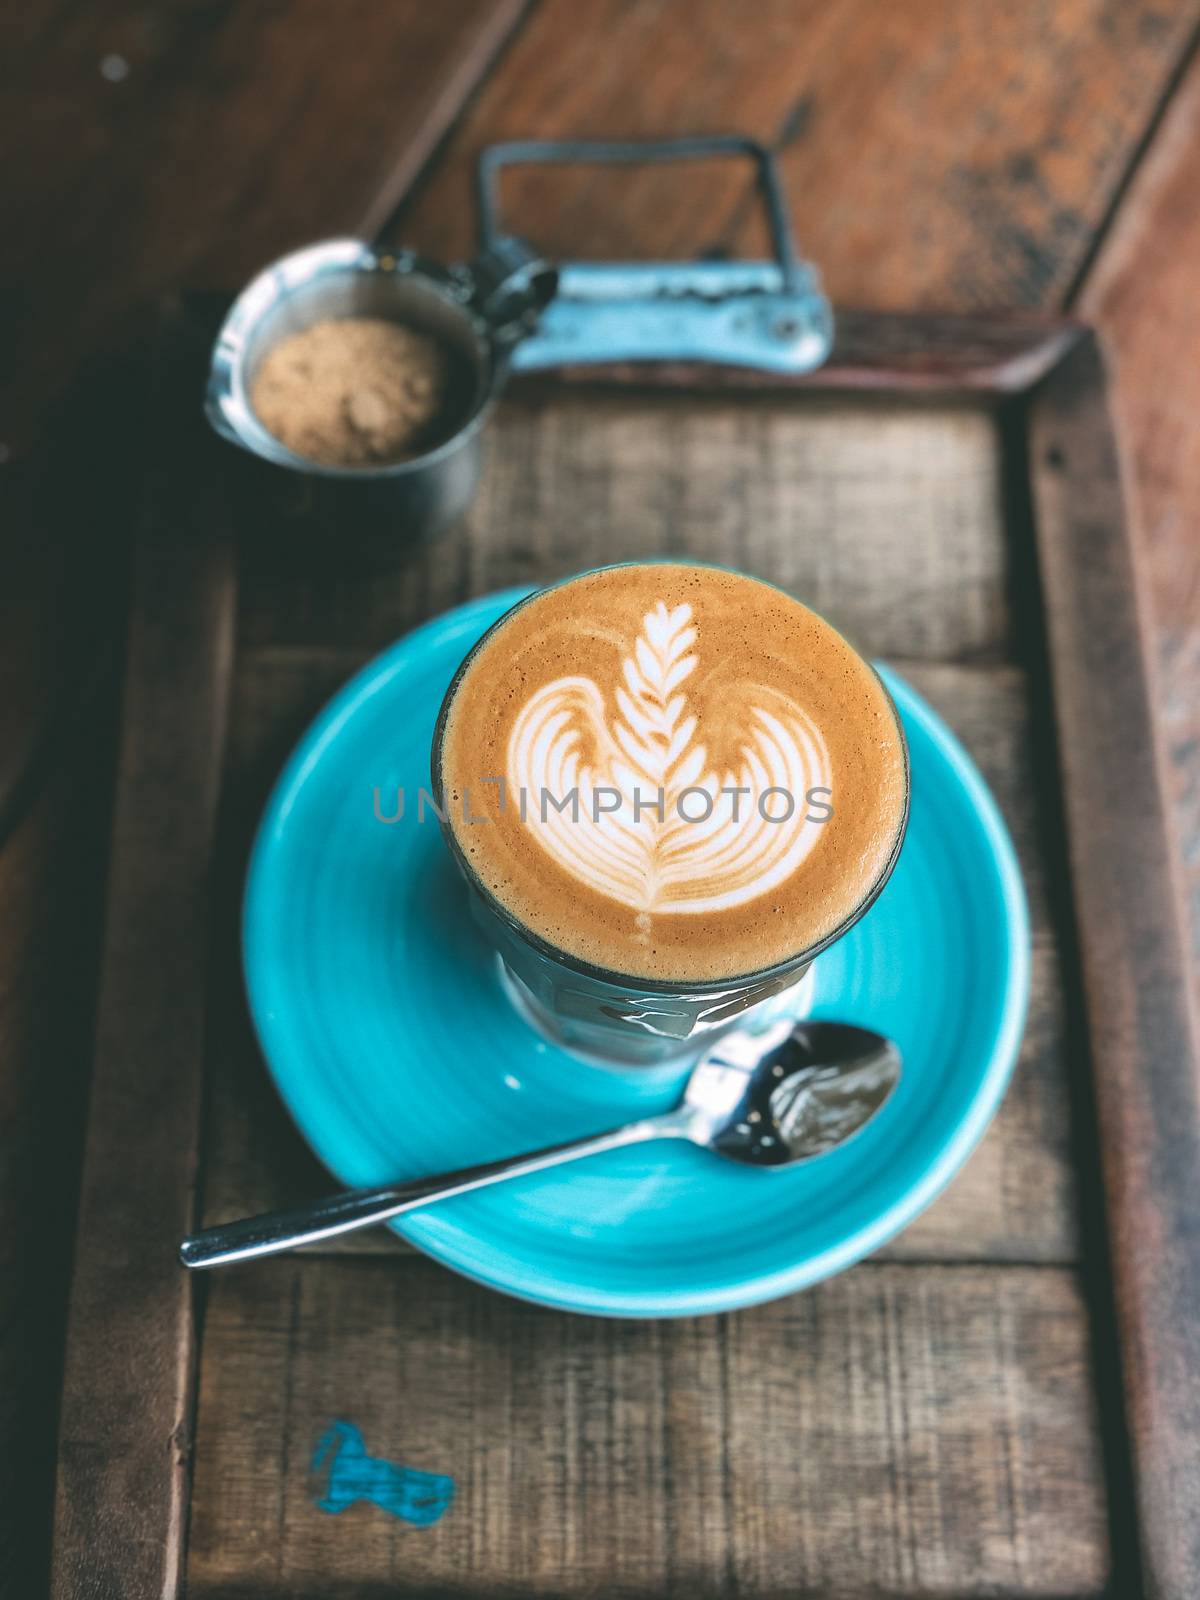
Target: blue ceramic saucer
(382, 1018)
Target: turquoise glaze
(366, 978)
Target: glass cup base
(587, 1041)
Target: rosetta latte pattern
(655, 826)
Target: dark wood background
(940, 155)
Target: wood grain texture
(1143, 1035)
(1141, 294)
(1014, 1201)
(896, 1431)
(941, 155)
(127, 1389)
(885, 515)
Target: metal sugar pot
(508, 310)
(475, 314)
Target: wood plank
(944, 156)
(195, 143)
(1018, 1197)
(887, 515)
(64, 566)
(1143, 1037)
(1014, 1201)
(895, 1431)
(51, 879)
(127, 1390)
(1141, 294)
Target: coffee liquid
(673, 772)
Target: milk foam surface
(673, 772)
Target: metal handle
(626, 152)
(278, 1231)
(511, 285)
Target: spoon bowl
(807, 1092)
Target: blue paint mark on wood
(353, 1475)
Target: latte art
(671, 772)
(628, 800)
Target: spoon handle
(277, 1231)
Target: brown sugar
(353, 392)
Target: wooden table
(937, 156)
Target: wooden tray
(1002, 1400)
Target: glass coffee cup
(669, 787)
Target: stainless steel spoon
(769, 1099)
